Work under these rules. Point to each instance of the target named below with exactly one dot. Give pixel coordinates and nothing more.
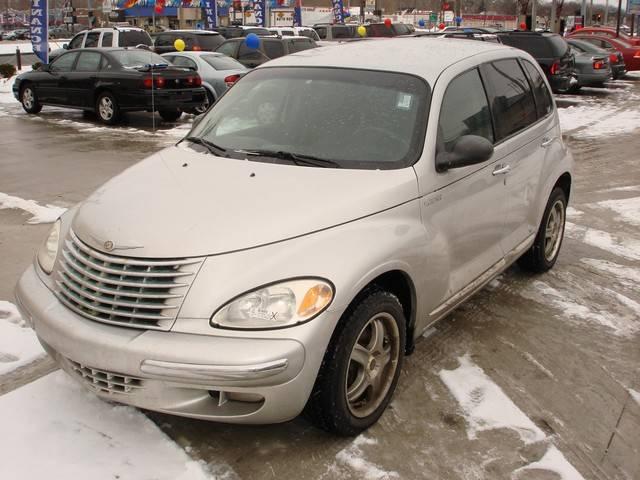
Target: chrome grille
(105, 382)
(125, 291)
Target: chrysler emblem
(108, 245)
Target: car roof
(197, 32)
(190, 53)
(424, 57)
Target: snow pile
(628, 209)
(554, 461)
(485, 405)
(353, 457)
(53, 428)
(572, 118)
(622, 246)
(39, 213)
(622, 122)
(19, 345)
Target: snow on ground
(574, 117)
(485, 405)
(622, 246)
(571, 303)
(19, 345)
(625, 121)
(554, 461)
(53, 428)
(353, 457)
(627, 276)
(573, 213)
(628, 209)
(39, 213)
(634, 394)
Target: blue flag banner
(210, 13)
(258, 11)
(297, 14)
(338, 11)
(39, 29)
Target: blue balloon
(252, 41)
(421, 22)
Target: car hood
(182, 203)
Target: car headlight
(49, 249)
(282, 304)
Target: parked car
(616, 60)
(472, 29)
(332, 32)
(232, 276)
(606, 32)
(630, 54)
(10, 35)
(217, 71)
(195, 40)
(110, 81)
(235, 31)
(104, 38)
(270, 47)
(592, 70)
(295, 32)
(551, 52)
(382, 30)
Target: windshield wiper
(212, 147)
(296, 158)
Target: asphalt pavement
(562, 346)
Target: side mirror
(468, 150)
(65, 46)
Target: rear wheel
(544, 252)
(361, 366)
(170, 115)
(29, 100)
(205, 106)
(107, 108)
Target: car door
(56, 85)
(522, 136)
(82, 79)
(462, 208)
(92, 40)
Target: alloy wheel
(28, 98)
(106, 108)
(372, 365)
(554, 230)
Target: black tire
(170, 115)
(107, 108)
(29, 99)
(542, 255)
(328, 407)
(202, 109)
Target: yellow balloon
(179, 44)
(362, 31)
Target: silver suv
(275, 259)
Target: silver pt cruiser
(287, 253)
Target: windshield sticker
(404, 101)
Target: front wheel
(361, 367)
(29, 100)
(544, 252)
(170, 115)
(107, 108)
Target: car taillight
(230, 80)
(598, 65)
(197, 81)
(613, 58)
(160, 82)
(149, 82)
(196, 48)
(637, 54)
(555, 68)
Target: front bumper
(228, 379)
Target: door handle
(501, 170)
(547, 141)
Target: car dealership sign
(39, 26)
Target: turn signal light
(231, 80)
(555, 68)
(598, 65)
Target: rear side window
(540, 90)
(273, 49)
(340, 32)
(107, 39)
(535, 45)
(300, 45)
(185, 62)
(88, 62)
(131, 38)
(64, 62)
(164, 41)
(322, 32)
(92, 39)
(464, 111)
(511, 98)
(209, 42)
(228, 48)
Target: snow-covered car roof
(424, 57)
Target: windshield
(137, 58)
(343, 117)
(221, 62)
(131, 38)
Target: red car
(607, 32)
(630, 53)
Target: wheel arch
(564, 182)
(99, 90)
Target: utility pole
(553, 15)
(618, 19)
(590, 12)
(534, 22)
(583, 11)
(606, 12)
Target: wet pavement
(562, 346)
